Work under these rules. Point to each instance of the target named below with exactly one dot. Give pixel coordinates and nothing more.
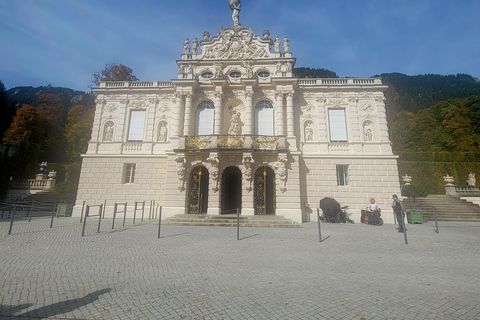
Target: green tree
(22, 127)
(113, 72)
(6, 110)
(78, 131)
(413, 191)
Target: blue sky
(63, 42)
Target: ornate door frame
(198, 190)
(264, 201)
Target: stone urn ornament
(448, 180)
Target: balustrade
(230, 142)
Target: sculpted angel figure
(235, 6)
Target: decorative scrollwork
(265, 143)
(200, 142)
(231, 142)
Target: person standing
(398, 211)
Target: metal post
(85, 220)
(13, 217)
(30, 213)
(150, 210)
(124, 213)
(238, 223)
(404, 227)
(53, 214)
(319, 228)
(143, 209)
(135, 212)
(104, 208)
(114, 215)
(159, 222)
(436, 223)
(83, 207)
(100, 216)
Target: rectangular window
(337, 124)
(129, 173)
(137, 125)
(342, 175)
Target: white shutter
(205, 119)
(137, 125)
(264, 119)
(337, 125)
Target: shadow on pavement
(53, 309)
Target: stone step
(447, 208)
(231, 221)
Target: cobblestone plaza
(357, 272)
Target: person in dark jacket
(397, 210)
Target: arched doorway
(264, 188)
(198, 191)
(231, 190)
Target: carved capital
(248, 94)
(279, 94)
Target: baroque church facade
(237, 129)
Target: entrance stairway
(230, 220)
(447, 208)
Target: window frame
(343, 175)
(199, 108)
(129, 171)
(334, 131)
(258, 107)
(134, 131)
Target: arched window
(264, 119)
(205, 117)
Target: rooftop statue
(235, 6)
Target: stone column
(280, 120)
(177, 114)
(248, 113)
(188, 112)
(218, 112)
(290, 125)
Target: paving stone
(358, 271)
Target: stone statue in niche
(186, 47)
(162, 133)
(309, 132)
(276, 44)
(235, 6)
(195, 46)
(367, 131)
(234, 128)
(108, 134)
(286, 44)
(471, 179)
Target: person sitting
(372, 209)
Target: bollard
(85, 220)
(404, 227)
(13, 217)
(159, 221)
(83, 207)
(135, 212)
(124, 213)
(30, 212)
(436, 222)
(319, 228)
(238, 223)
(143, 209)
(114, 215)
(100, 216)
(104, 209)
(53, 214)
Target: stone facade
(237, 129)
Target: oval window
(207, 75)
(264, 74)
(235, 74)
